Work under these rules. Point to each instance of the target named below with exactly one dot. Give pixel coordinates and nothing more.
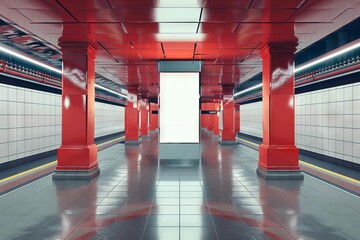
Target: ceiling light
(177, 14)
(180, 37)
(38, 63)
(177, 3)
(177, 28)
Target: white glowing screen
(179, 108)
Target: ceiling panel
(316, 15)
(245, 15)
(288, 4)
(49, 15)
(216, 28)
(179, 53)
(131, 35)
(178, 45)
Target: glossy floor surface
(135, 197)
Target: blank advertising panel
(179, 107)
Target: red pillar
(144, 118)
(77, 155)
(154, 121)
(210, 107)
(237, 118)
(216, 120)
(202, 116)
(205, 116)
(278, 155)
(228, 132)
(132, 133)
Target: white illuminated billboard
(179, 107)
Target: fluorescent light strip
(248, 89)
(110, 91)
(6, 50)
(13, 53)
(323, 59)
(320, 60)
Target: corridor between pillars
(77, 156)
(278, 155)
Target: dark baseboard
(28, 159)
(333, 160)
(249, 137)
(36, 157)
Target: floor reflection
(221, 197)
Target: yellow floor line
(314, 166)
(330, 172)
(46, 165)
(27, 171)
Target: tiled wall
(108, 119)
(30, 121)
(251, 119)
(327, 121)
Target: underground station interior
(180, 120)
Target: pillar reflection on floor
(135, 197)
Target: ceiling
(131, 36)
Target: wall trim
(318, 156)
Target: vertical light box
(179, 118)
(179, 108)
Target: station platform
(135, 197)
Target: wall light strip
(18, 55)
(330, 56)
(28, 59)
(248, 89)
(312, 63)
(110, 91)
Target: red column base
(77, 162)
(279, 162)
(228, 137)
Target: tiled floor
(136, 198)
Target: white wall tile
(348, 93)
(356, 91)
(356, 107)
(4, 136)
(356, 135)
(11, 94)
(3, 121)
(327, 121)
(3, 92)
(356, 121)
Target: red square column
(228, 131)
(154, 120)
(205, 117)
(216, 120)
(210, 126)
(278, 155)
(237, 118)
(132, 119)
(144, 118)
(77, 156)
